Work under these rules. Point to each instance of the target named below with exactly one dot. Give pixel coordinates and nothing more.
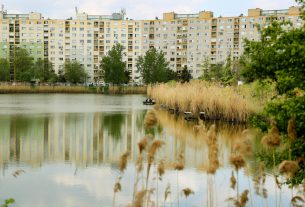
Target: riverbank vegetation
(217, 102)
(4, 89)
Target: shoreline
(27, 89)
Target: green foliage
(226, 73)
(4, 70)
(7, 202)
(43, 70)
(113, 67)
(185, 75)
(154, 67)
(75, 72)
(279, 56)
(22, 64)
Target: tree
(43, 70)
(74, 72)
(22, 65)
(154, 67)
(227, 73)
(4, 70)
(113, 67)
(185, 75)
(279, 56)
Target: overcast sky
(140, 9)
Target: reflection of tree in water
(113, 123)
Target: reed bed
(5, 89)
(227, 103)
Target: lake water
(62, 150)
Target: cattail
(150, 119)
(288, 168)
(142, 144)
(161, 168)
(232, 181)
(123, 161)
(244, 198)
(237, 161)
(292, 133)
(187, 192)
(117, 187)
(272, 139)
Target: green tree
(154, 67)
(279, 56)
(226, 73)
(22, 65)
(74, 72)
(4, 70)
(185, 75)
(43, 70)
(113, 66)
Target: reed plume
(123, 161)
(289, 168)
(232, 181)
(166, 192)
(237, 160)
(292, 133)
(187, 192)
(179, 164)
(117, 187)
(272, 138)
(244, 198)
(150, 119)
(161, 169)
(142, 144)
(139, 199)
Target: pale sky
(140, 9)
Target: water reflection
(72, 156)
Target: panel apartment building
(186, 39)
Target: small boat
(149, 101)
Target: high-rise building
(186, 39)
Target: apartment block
(186, 39)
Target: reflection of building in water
(95, 138)
(81, 138)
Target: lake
(63, 150)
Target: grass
(227, 103)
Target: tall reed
(228, 103)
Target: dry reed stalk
(200, 96)
(123, 161)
